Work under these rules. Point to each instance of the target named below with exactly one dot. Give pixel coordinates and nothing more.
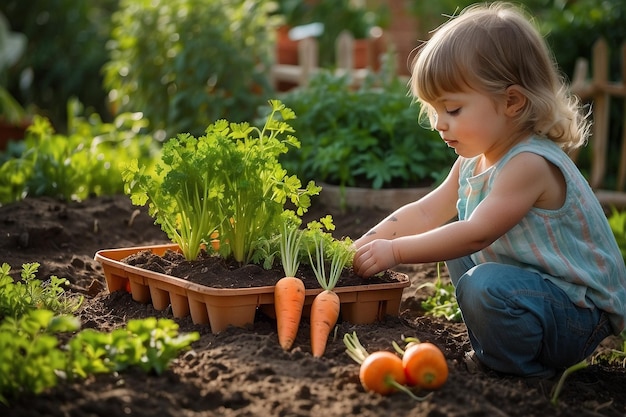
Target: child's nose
(441, 125)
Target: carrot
(289, 292)
(326, 305)
(215, 241)
(425, 366)
(381, 372)
(324, 316)
(288, 305)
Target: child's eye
(454, 112)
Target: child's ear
(515, 100)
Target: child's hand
(374, 257)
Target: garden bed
(244, 372)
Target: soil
(244, 372)
(216, 272)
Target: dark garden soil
(244, 372)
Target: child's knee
(475, 282)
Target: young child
(538, 274)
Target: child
(538, 275)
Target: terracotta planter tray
(223, 307)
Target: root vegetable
(324, 315)
(425, 366)
(288, 305)
(382, 372)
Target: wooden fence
(598, 89)
(308, 49)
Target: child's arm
(521, 184)
(427, 213)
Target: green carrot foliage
(228, 181)
(324, 251)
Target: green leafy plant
(86, 161)
(149, 344)
(33, 359)
(368, 137)
(325, 251)
(228, 181)
(33, 316)
(187, 63)
(442, 302)
(30, 358)
(29, 293)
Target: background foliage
(64, 56)
(184, 70)
(187, 63)
(366, 137)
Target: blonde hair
(488, 48)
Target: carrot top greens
(228, 181)
(326, 251)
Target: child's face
(472, 123)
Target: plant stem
(559, 386)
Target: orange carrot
(425, 366)
(289, 291)
(326, 304)
(288, 304)
(215, 241)
(381, 372)
(324, 315)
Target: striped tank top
(573, 246)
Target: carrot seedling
(326, 305)
(289, 292)
(559, 386)
(442, 303)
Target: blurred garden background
(145, 70)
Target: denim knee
(521, 323)
(472, 289)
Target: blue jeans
(520, 323)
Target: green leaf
(228, 182)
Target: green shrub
(65, 53)
(87, 161)
(366, 137)
(33, 316)
(187, 63)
